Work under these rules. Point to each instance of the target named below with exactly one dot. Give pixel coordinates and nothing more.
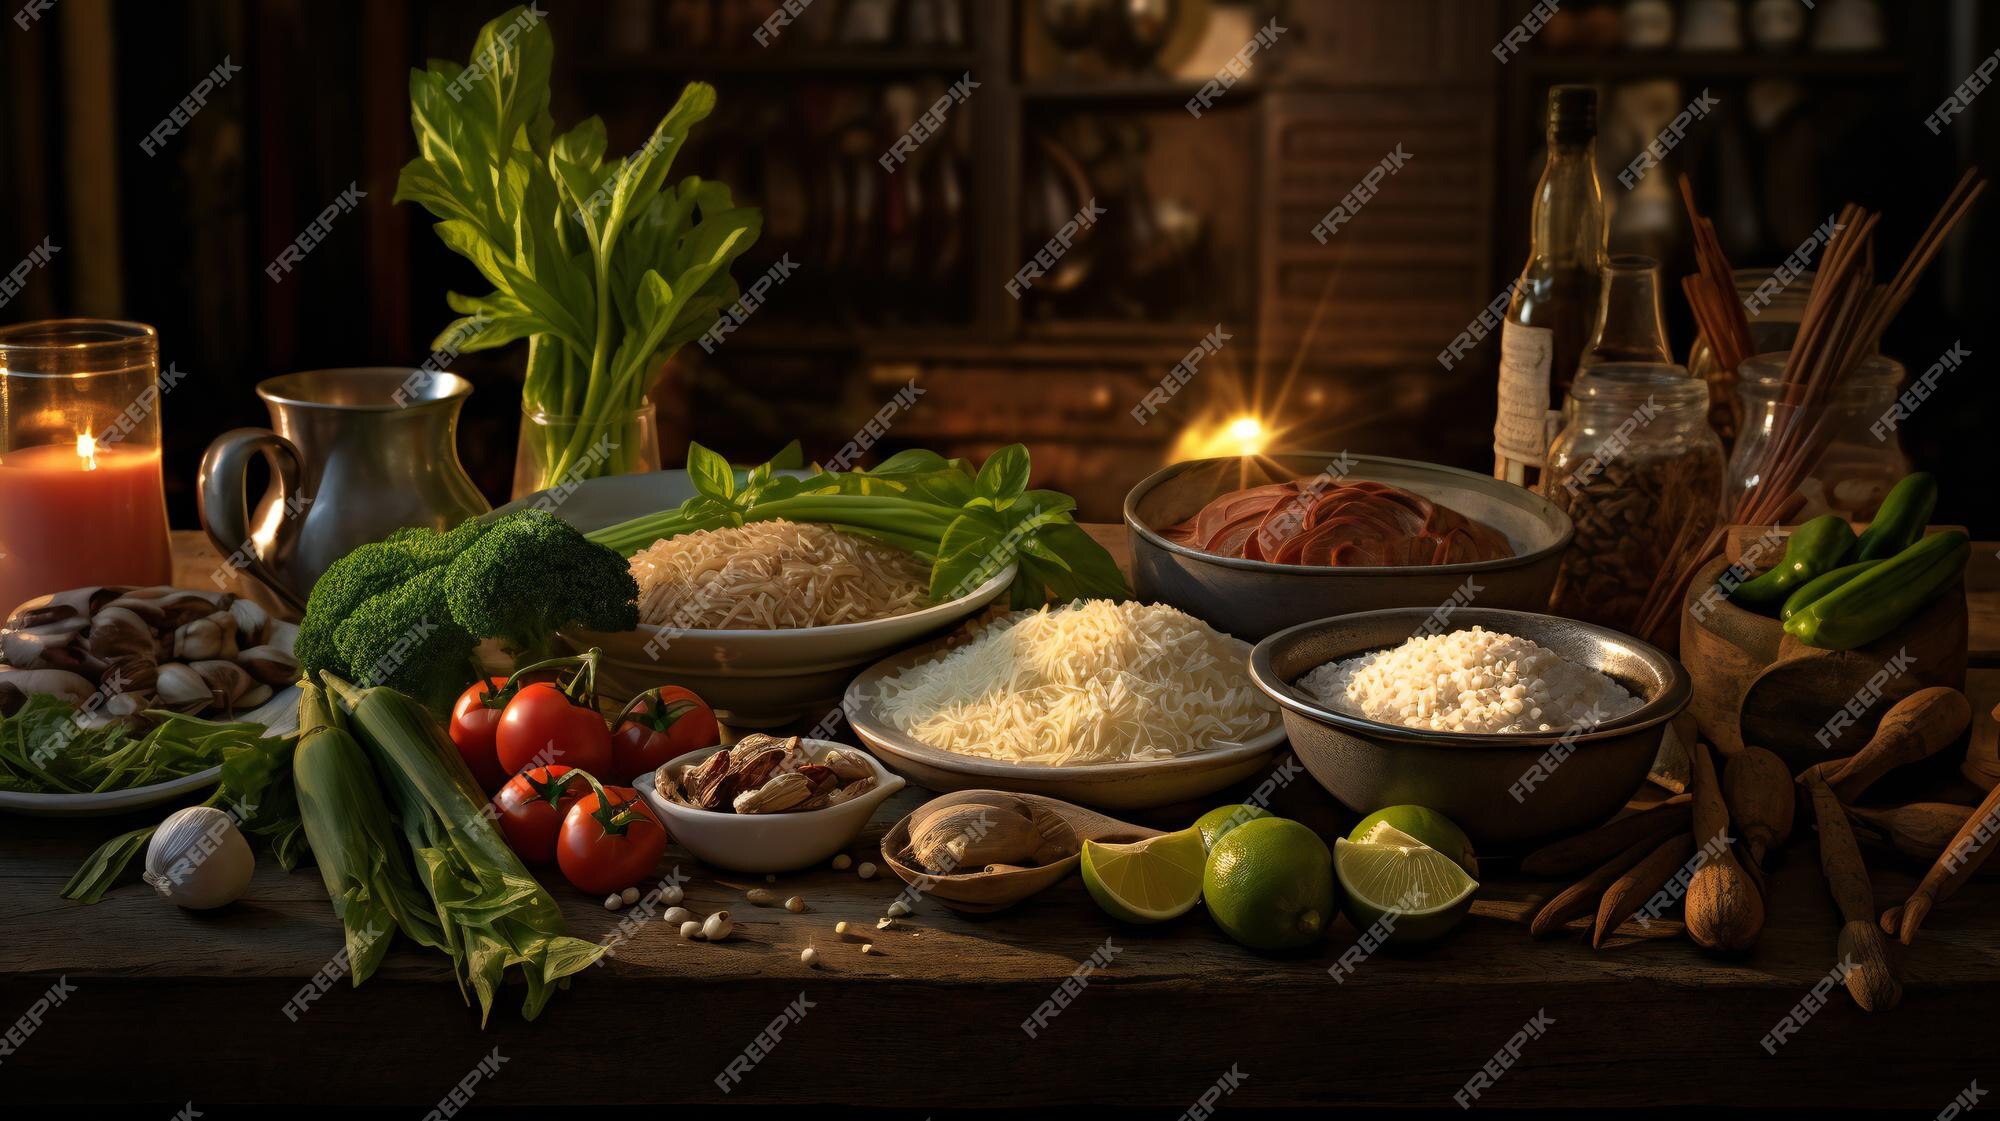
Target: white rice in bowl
(1476, 681)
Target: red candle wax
(76, 516)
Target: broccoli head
(406, 638)
(365, 573)
(531, 574)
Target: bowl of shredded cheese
(1116, 705)
(1515, 725)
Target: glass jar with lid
(1775, 303)
(1635, 466)
(1864, 456)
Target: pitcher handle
(222, 491)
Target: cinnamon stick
(1575, 899)
(1960, 861)
(1572, 855)
(1630, 891)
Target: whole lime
(1269, 884)
(1222, 819)
(1426, 825)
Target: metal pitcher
(355, 455)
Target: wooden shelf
(1721, 65)
(1127, 87)
(798, 64)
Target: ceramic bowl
(1252, 599)
(1113, 786)
(765, 843)
(1501, 788)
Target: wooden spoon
(1003, 885)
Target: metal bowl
(1503, 789)
(1251, 599)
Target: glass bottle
(1635, 466)
(1864, 456)
(1555, 300)
(1630, 327)
(1776, 303)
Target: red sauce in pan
(1337, 525)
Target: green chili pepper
(1816, 548)
(1883, 598)
(1901, 519)
(1821, 585)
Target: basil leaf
(710, 473)
(1004, 475)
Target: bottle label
(1520, 427)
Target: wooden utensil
(1916, 728)
(1920, 829)
(1575, 899)
(1958, 863)
(1871, 982)
(1630, 891)
(1584, 851)
(1757, 786)
(987, 891)
(1724, 909)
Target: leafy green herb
(969, 524)
(603, 266)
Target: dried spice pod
(1869, 979)
(1920, 829)
(1584, 851)
(1757, 788)
(1960, 861)
(1630, 891)
(1724, 910)
(1577, 898)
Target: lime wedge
(1146, 881)
(1414, 891)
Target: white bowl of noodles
(772, 661)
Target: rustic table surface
(165, 1005)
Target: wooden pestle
(1871, 982)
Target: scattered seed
(612, 902)
(629, 896)
(810, 956)
(672, 895)
(842, 862)
(795, 905)
(717, 926)
(868, 947)
(676, 916)
(690, 930)
(884, 923)
(842, 927)
(866, 871)
(898, 909)
(761, 897)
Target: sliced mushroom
(117, 633)
(180, 688)
(211, 637)
(76, 603)
(51, 647)
(270, 665)
(72, 687)
(227, 682)
(168, 609)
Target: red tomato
(532, 806)
(610, 848)
(542, 725)
(661, 724)
(474, 719)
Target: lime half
(1414, 892)
(1146, 881)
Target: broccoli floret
(405, 637)
(351, 581)
(531, 574)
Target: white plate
(763, 843)
(278, 715)
(1113, 786)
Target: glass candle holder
(82, 498)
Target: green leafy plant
(970, 525)
(603, 266)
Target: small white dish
(279, 716)
(761, 843)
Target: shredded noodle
(775, 575)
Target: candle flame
(86, 450)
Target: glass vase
(81, 495)
(1862, 458)
(1775, 311)
(557, 454)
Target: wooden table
(169, 1006)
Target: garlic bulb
(199, 859)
